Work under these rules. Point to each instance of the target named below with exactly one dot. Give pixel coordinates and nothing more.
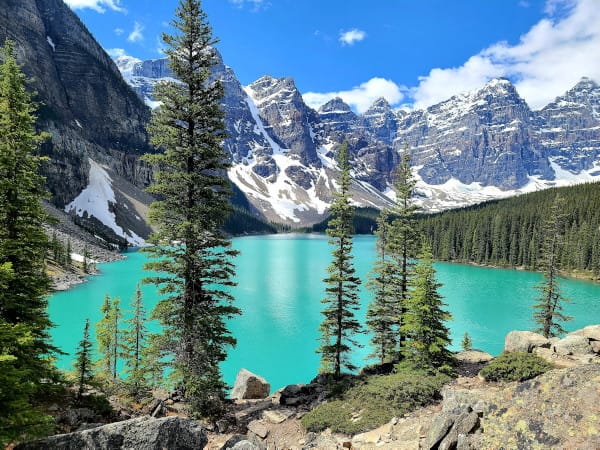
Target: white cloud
(136, 35)
(360, 97)
(547, 61)
(116, 52)
(350, 37)
(254, 4)
(119, 31)
(97, 5)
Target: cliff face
(88, 108)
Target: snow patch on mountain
(454, 194)
(96, 199)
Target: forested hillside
(509, 232)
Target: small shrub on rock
(515, 366)
(373, 400)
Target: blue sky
(413, 52)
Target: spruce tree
(108, 337)
(548, 306)
(339, 324)
(382, 315)
(134, 345)
(24, 321)
(394, 267)
(190, 251)
(466, 343)
(83, 363)
(427, 337)
(404, 237)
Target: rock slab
(250, 386)
(142, 433)
(524, 341)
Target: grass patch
(515, 366)
(372, 401)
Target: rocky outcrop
(249, 386)
(524, 341)
(144, 433)
(86, 106)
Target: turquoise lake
(279, 291)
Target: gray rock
(143, 433)
(250, 386)
(572, 345)
(246, 445)
(232, 441)
(259, 428)
(439, 429)
(524, 341)
(592, 332)
(474, 357)
(466, 423)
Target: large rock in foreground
(142, 433)
(249, 386)
(524, 341)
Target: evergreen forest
(510, 232)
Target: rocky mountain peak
(381, 104)
(335, 105)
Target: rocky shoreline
(556, 410)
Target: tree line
(510, 232)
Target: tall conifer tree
(340, 324)
(24, 321)
(404, 237)
(423, 324)
(134, 345)
(382, 313)
(192, 254)
(394, 268)
(548, 306)
(83, 363)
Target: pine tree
(18, 419)
(108, 335)
(382, 316)
(153, 360)
(86, 259)
(427, 337)
(134, 346)
(83, 363)
(24, 321)
(340, 324)
(466, 344)
(191, 251)
(404, 237)
(116, 345)
(547, 308)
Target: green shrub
(372, 401)
(516, 366)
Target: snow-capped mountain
(472, 147)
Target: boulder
(439, 429)
(142, 433)
(572, 345)
(524, 341)
(474, 357)
(595, 346)
(259, 428)
(592, 332)
(249, 386)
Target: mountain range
(475, 146)
(472, 147)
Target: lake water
(279, 291)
